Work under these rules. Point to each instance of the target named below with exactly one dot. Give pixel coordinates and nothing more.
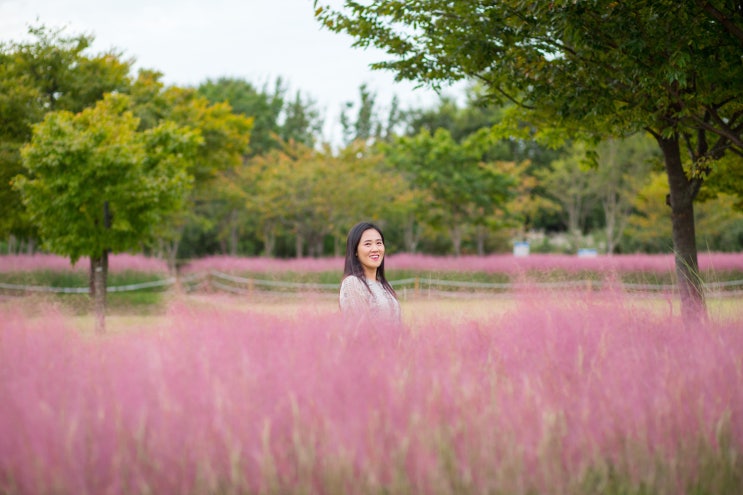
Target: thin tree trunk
(681, 201)
(482, 233)
(319, 247)
(456, 238)
(337, 246)
(234, 232)
(171, 253)
(234, 240)
(98, 276)
(269, 241)
(299, 245)
(611, 212)
(411, 235)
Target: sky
(190, 41)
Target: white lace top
(357, 300)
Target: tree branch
(713, 12)
(723, 129)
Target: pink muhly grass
(37, 262)
(506, 263)
(236, 264)
(50, 262)
(500, 263)
(497, 263)
(238, 402)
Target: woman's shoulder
(351, 281)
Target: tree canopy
(78, 166)
(436, 178)
(53, 71)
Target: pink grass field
(51, 262)
(503, 263)
(555, 395)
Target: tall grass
(501, 263)
(54, 263)
(556, 395)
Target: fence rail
(215, 280)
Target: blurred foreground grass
(127, 316)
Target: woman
(365, 293)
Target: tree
(276, 118)
(301, 121)
(263, 106)
(94, 185)
(52, 72)
(573, 188)
(226, 136)
(464, 188)
(518, 156)
(623, 167)
(363, 122)
(586, 68)
(310, 194)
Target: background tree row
(262, 181)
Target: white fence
(219, 281)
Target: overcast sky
(190, 41)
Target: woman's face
(370, 251)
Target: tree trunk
(30, 246)
(318, 247)
(337, 246)
(269, 241)
(299, 245)
(171, 255)
(234, 240)
(681, 201)
(482, 233)
(98, 276)
(234, 232)
(456, 238)
(411, 235)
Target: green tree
(464, 188)
(301, 121)
(226, 136)
(360, 121)
(94, 185)
(276, 117)
(362, 185)
(363, 125)
(311, 195)
(648, 227)
(597, 68)
(570, 185)
(264, 107)
(623, 167)
(532, 205)
(53, 71)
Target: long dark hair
(353, 265)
